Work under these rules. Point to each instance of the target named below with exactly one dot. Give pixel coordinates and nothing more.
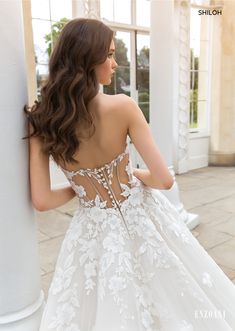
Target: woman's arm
(157, 175)
(43, 197)
(145, 176)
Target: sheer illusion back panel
(103, 182)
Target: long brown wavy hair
(71, 85)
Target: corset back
(103, 186)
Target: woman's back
(110, 135)
(103, 160)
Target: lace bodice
(106, 186)
(103, 186)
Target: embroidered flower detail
(116, 284)
(185, 326)
(64, 315)
(90, 270)
(73, 327)
(99, 203)
(79, 189)
(63, 276)
(113, 243)
(89, 249)
(206, 279)
(134, 193)
(147, 319)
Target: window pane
(203, 86)
(202, 114)
(116, 10)
(40, 9)
(121, 80)
(195, 24)
(199, 63)
(194, 80)
(143, 12)
(122, 11)
(204, 27)
(106, 9)
(40, 30)
(195, 52)
(143, 43)
(60, 9)
(203, 56)
(41, 74)
(193, 115)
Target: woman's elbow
(168, 184)
(39, 204)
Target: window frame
(204, 130)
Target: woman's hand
(143, 175)
(147, 179)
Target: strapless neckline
(106, 166)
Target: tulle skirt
(136, 269)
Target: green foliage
(52, 37)
(194, 65)
(193, 108)
(121, 80)
(143, 58)
(121, 52)
(144, 104)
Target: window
(199, 71)
(143, 12)
(132, 40)
(116, 10)
(121, 80)
(130, 19)
(47, 16)
(142, 72)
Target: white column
(164, 73)
(21, 298)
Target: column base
(27, 319)
(191, 220)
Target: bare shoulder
(120, 103)
(118, 99)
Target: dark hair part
(71, 84)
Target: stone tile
(46, 282)
(202, 196)
(214, 170)
(227, 227)
(190, 183)
(210, 238)
(42, 271)
(224, 254)
(48, 252)
(229, 272)
(226, 204)
(70, 206)
(53, 223)
(211, 215)
(195, 233)
(42, 236)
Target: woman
(127, 261)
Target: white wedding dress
(128, 263)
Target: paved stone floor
(208, 192)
